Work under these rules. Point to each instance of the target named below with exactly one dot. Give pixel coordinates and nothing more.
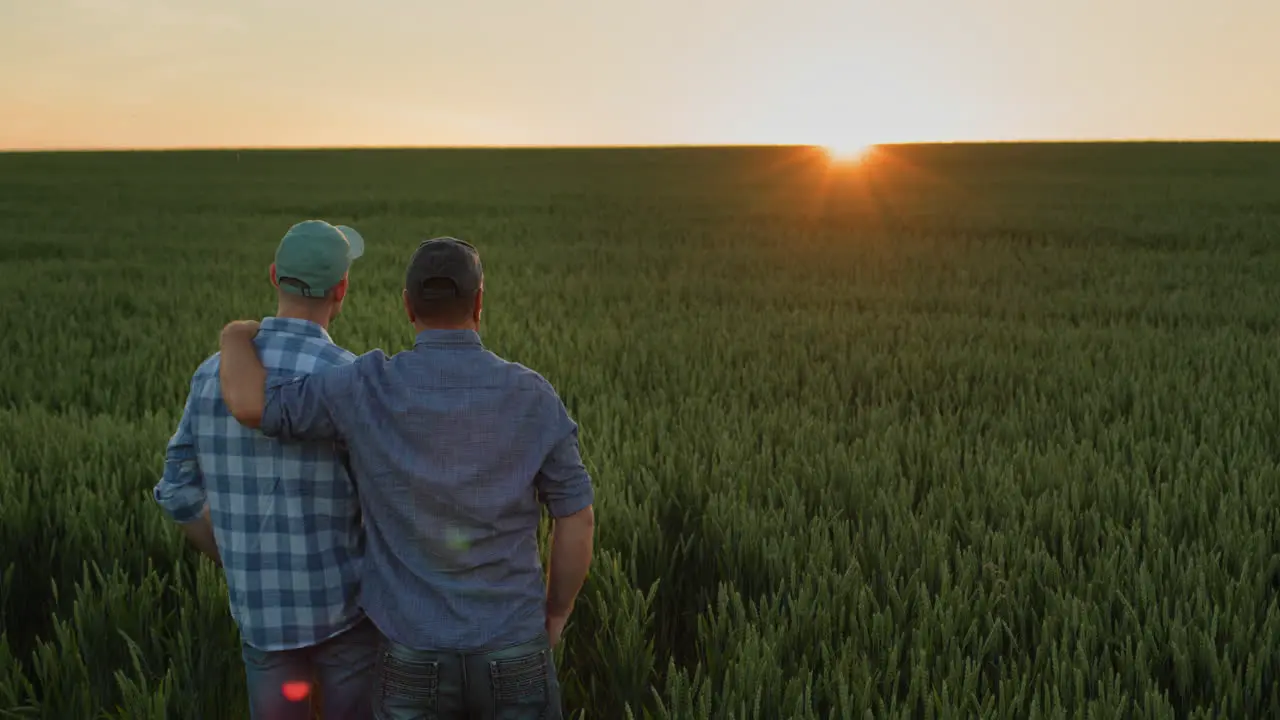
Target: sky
(240, 73)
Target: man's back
(285, 515)
(453, 446)
(455, 449)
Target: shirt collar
(452, 338)
(294, 326)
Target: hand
(555, 627)
(240, 329)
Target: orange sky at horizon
(80, 74)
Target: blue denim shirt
(454, 451)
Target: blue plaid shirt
(457, 451)
(286, 517)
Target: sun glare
(847, 153)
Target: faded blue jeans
(340, 670)
(513, 683)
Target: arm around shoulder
(308, 407)
(241, 374)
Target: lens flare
(296, 691)
(847, 153)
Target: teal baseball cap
(313, 256)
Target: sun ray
(848, 153)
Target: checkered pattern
(285, 515)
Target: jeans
(513, 683)
(283, 684)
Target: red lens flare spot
(297, 690)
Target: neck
(318, 316)
(420, 327)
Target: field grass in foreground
(966, 432)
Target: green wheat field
(959, 432)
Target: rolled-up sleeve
(563, 483)
(180, 491)
(301, 408)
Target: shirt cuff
(567, 505)
(182, 503)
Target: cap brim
(355, 239)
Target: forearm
(243, 379)
(572, 540)
(200, 533)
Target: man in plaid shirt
(282, 519)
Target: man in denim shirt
(455, 449)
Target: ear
(274, 281)
(479, 306)
(408, 306)
(340, 290)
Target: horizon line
(626, 146)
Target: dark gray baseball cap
(444, 258)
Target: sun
(847, 153)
